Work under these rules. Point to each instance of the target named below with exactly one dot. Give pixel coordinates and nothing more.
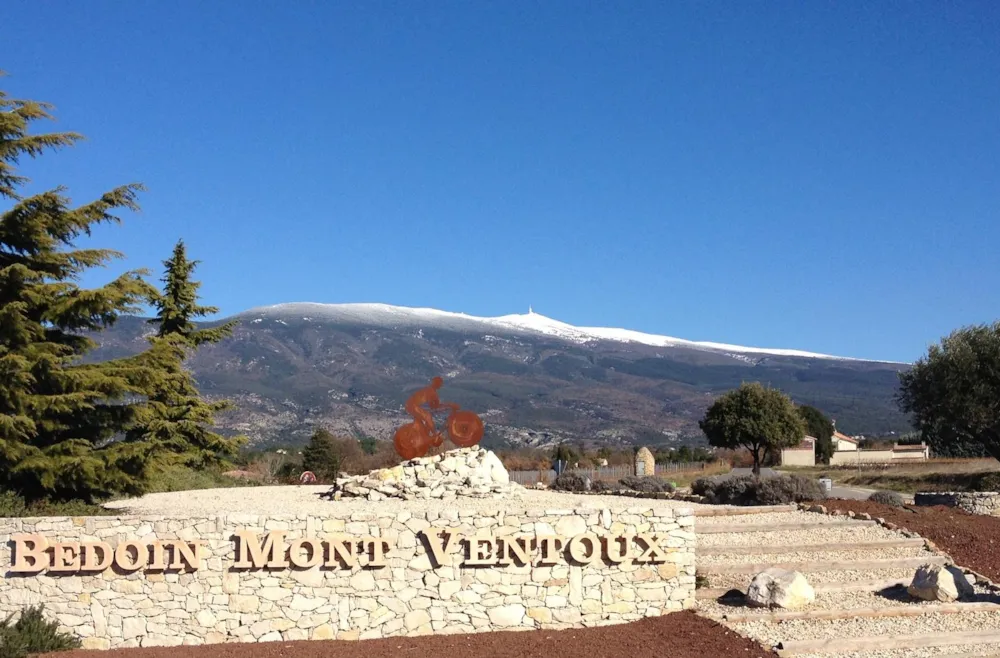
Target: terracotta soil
(679, 635)
(972, 540)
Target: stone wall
(364, 575)
(976, 502)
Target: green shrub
(32, 634)
(647, 484)
(890, 498)
(703, 486)
(989, 482)
(748, 490)
(785, 489)
(600, 486)
(13, 506)
(570, 481)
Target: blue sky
(820, 175)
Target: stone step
(887, 642)
(707, 593)
(815, 567)
(851, 613)
(732, 510)
(905, 542)
(739, 528)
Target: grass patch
(13, 506)
(914, 482)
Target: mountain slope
(534, 380)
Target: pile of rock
(474, 472)
(986, 503)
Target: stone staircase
(859, 571)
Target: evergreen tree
(821, 428)
(60, 418)
(175, 418)
(323, 456)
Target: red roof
(844, 437)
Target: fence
(608, 473)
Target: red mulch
(678, 635)
(972, 540)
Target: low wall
(847, 457)
(149, 581)
(976, 502)
(795, 457)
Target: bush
(748, 490)
(570, 481)
(32, 634)
(703, 486)
(600, 485)
(647, 484)
(785, 489)
(13, 506)
(989, 482)
(890, 498)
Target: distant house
(804, 454)
(843, 442)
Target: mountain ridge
(532, 321)
(535, 381)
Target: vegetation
(58, 416)
(820, 427)
(570, 481)
(952, 393)
(174, 419)
(762, 420)
(73, 429)
(749, 490)
(646, 484)
(890, 498)
(32, 634)
(324, 456)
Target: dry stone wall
(975, 502)
(145, 581)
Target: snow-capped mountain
(533, 380)
(386, 315)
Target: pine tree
(59, 418)
(323, 456)
(174, 417)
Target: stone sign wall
(144, 581)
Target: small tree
(762, 420)
(953, 393)
(820, 427)
(323, 456)
(174, 418)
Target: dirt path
(679, 635)
(972, 540)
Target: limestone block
(780, 588)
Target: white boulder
(780, 588)
(940, 583)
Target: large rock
(472, 471)
(940, 583)
(780, 588)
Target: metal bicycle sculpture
(464, 428)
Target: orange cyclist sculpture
(464, 428)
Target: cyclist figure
(429, 396)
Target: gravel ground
(741, 581)
(747, 556)
(847, 600)
(305, 499)
(973, 540)
(828, 534)
(969, 650)
(771, 517)
(769, 634)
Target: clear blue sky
(818, 175)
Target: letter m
(251, 553)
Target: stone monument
(644, 463)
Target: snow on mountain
(391, 316)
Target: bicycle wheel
(465, 429)
(410, 441)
